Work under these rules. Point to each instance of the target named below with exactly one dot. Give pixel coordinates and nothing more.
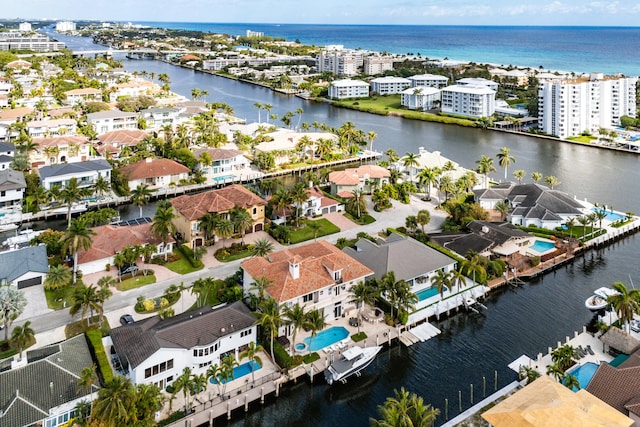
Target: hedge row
(187, 253)
(94, 338)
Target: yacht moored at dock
(353, 360)
(598, 301)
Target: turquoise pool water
(239, 371)
(542, 246)
(584, 373)
(427, 293)
(223, 178)
(611, 216)
(326, 338)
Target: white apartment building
(24, 27)
(389, 85)
(470, 101)
(568, 107)
(477, 81)
(63, 26)
(347, 88)
(431, 80)
(340, 62)
(107, 121)
(14, 40)
(54, 127)
(420, 98)
(377, 64)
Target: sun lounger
(590, 350)
(581, 352)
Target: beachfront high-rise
(568, 107)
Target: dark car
(126, 319)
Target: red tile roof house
(111, 239)
(190, 208)
(111, 143)
(361, 178)
(317, 275)
(156, 173)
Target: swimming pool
(584, 373)
(611, 216)
(427, 293)
(542, 246)
(325, 338)
(224, 178)
(239, 371)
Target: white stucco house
(107, 121)
(348, 88)
(155, 351)
(12, 188)
(24, 267)
(420, 98)
(86, 173)
(156, 173)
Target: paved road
(50, 323)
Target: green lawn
(7, 349)
(136, 282)
(80, 326)
(182, 266)
(364, 219)
(59, 298)
(306, 233)
(585, 139)
(232, 257)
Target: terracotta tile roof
(616, 386)
(221, 200)
(110, 239)
(12, 114)
(352, 176)
(129, 137)
(190, 57)
(345, 194)
(373, 171)
(58, 112)
(153, 168)
(218, 153)
(314, 259)
(83, 91)
(345, 177)
(60, 141)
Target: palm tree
(363, 293)
(519, 174)
(298, 195)
(600, 214)
(208, 224)
(262, 247)
(242, 221)
(583, 220)
(58, 277)
(163, 225)
(226, 367)
(571, 381)
(441, 280)
(457, 278)
(114, 403)
(405, 299)
(473, 265)
(505, 159)
(564, 356)
(392, 155)
(426, 178)
(357, 204)
(148, 401)
(198, 384)
(410, 161)
(224, 229)
(76, 238)
(555, 371)
(214, 373)
(70, 194)
(314, 322)
(259, 106)
(315, 226)
(101, 186)
(296, 317)
(140, 196)
(423, 217)
(41, 197)
(269, 319)
(12, 303)
(85, 298)
(251, 353)
(281, 200)
(502, 207)
(21, 336)
(405, 409)
(389, 288)
(625, 302)
(551, 181)
(261, 284)
(535, 177)
(87, 378)
(485, 167)
(184, 383)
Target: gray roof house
(24, 267)
(532, 204)
(45, 390)
(155, 351)
(7, 151)
(409, 259)
(12, 187)
(86, 173)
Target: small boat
(8, 227)
(353, 360)
(23, 237)
(598, 301)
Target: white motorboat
(8, 227)
(353, 360)
(23, 237)
(598, 301)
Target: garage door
(30, 282)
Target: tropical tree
(362, 293)
(357, 204)
(410, 162)
(315, 226)
(485, 167)
(471, 266)
(87, 378)
(625, 302)
(296, 317)
(405, 410)
(262, 247)
(441, 281)
(101, 186)
(242, 221)
(261, 284)
(208, 223)
(503, 208)
(564, 356)
(423, 218)
(298, 196)
(77, 237)
(163, 225)
(224, 229)
(226, 369)
(505, 159)
(389, 287)
(529, 373)
(148, 401)
(21, 336)
(428, 177)
(555, 371)
(12, 303)
(140, 196)
(269, 318)
(583, 220)
(411, 223)
(457, 278)
(519, 174)
(214, 373)
(70, 194)
(115, 403)
(551, 181)
(536, 177)
(184, 383)
(571, 381)
(251, 353)
(405, 299)
(314, 322)
(58, 277)
(85, 298)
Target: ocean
(608, 50)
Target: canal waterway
(523, 320)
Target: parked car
(129, 268)
(126, 319)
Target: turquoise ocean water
(581, 49)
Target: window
(307, 298)
(147, 372)
(255, 210)
(245, 333)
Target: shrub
(534, 261)
(311, 357)
(360, 336)
(148, 305)
(94, 338)
(281, 356)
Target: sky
(414, 12)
